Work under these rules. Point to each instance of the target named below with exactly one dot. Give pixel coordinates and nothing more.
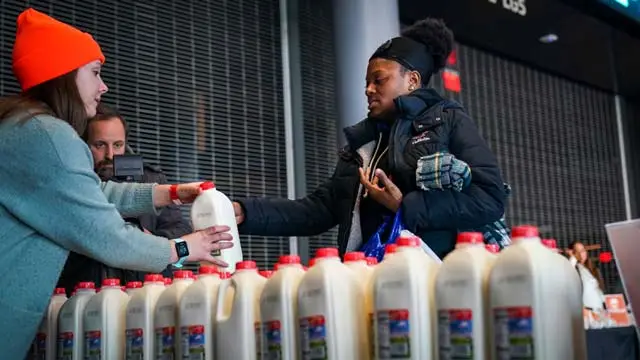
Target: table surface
(613, 344)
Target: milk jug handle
(222, 294)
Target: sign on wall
(516, 6)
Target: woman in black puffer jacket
(395, 159)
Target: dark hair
(57, 97)
(105, 112)
(436, 36)
(590, 265)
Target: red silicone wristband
(173, 192)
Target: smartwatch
(182, 250)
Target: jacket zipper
(347, 229)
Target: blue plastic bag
(374, 247)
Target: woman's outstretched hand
(202, 243)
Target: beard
(104, 169)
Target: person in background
(106, 135)
(51, 200)
(392, 158)
(592, 281)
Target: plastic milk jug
(197, 309)
(359, 264)
(70, 329)
(45, 344)
(329, 325)
(238, 335)
(278, 310)
(166, 317)
(104, 322)
(139, 332)
(266, 273)
(550, 244)
(210, 208)
(132, 287)
(462, 300)
(493, 248)
(404, 306)
(389, 251)
(535, 303)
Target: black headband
(409, 53)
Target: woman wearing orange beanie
(51, 201)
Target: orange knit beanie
(46, 48)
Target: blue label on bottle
(394, 340)
(273, 339)
(455, 330)
(514, 333)
(313, 335)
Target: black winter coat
(427, 123)
(169, 223)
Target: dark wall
(319, 103)
(199, 82)
(556, 142)
(631, 112)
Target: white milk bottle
(132, 287)
(550, 244)
(104, 322)
(70, 329)
(211, 208)
(278, 310)
(389, 251)
(139, 332)
(329, 325)
(45, 343)
(238, 335)
(166, 317)
(493, 249)
(404, 306)
(266, 273)
(536, 312)
(197, 309)
(462, 300)
(358, 263)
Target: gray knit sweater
(51, 202)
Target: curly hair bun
(436, 36)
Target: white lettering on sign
(516, 6)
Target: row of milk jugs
(524, 303)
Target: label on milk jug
(455, 329)
(193, 342)
(40, 346)
(273, 339)
(371, 332)
(257, 330)
(134, 344)
(92, 345)
(313, 338)
(65, 345)
(165, 343)
(393, 334)
(514, 333)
